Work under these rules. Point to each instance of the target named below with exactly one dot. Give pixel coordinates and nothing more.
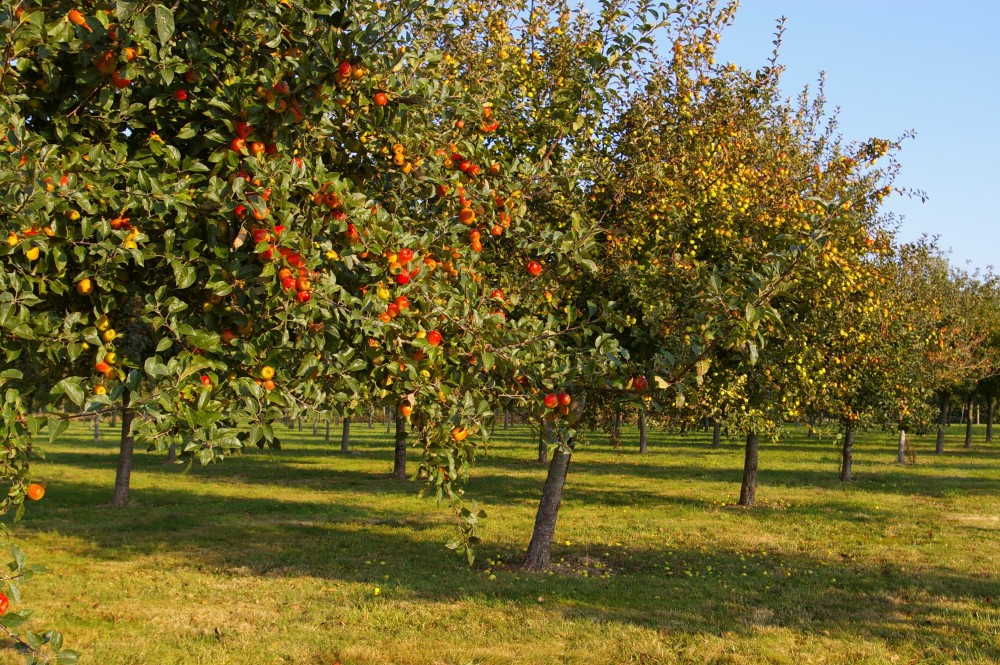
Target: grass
(312, 556)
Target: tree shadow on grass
(718, 589)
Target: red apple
(243, 129)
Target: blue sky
(896, 65)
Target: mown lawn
(313, 556)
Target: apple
(564, 399)
(534, 268)
(551, 400)
(380, 99)
(639, 384)
(243, 129)
(434, 338)
(180, 95)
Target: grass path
(312, 556)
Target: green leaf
(184, 274)
(72, 388)
(68, 657)
(164, 23)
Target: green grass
(276, 558)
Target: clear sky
(896, 65)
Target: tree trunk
(388, 421)
(300, 424)
(114, 419)
(540, 548)
(506, 419)
(847, 455)
(901, 452)
(543, 443)
(716, 435)
(399, 463)
(315, 426)
(643, 441)
(345, 436)
(123, 476)
(748, 491)
(968, 421)
(943, 422)
(371, 417)
(989, 418)
(811, 434)
(97, 428)
(327, 439)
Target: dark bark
(345, 436)
(328, 430)
(643, 441)
(543, 443)
(540, 548)
(506, 419)
(97, 429)
(847, 454)
(968, 421)
(943, 419)
(399, 462)
(371, 417)
(315, 427)
(300, 424)
(812, 426)
(123, 476)
(716, 435)
(748, 491)
(114, 419)
(388, 421)
(989, 418)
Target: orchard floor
(313, 556)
